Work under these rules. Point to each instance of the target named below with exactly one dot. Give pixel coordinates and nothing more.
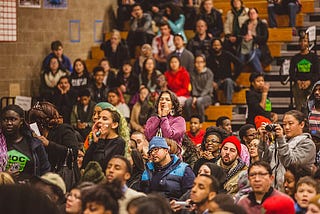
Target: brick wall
(20, 61)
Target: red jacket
(197, 140)
(179, 82)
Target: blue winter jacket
(176, 179)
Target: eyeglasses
(212, 141)
(155, 150)
(72, 196)
(259, 174)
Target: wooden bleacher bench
(96, 52)
(123, 34)
(214, 112)
(238, 98)
(91, 63)
(205, 125)
(280, 34)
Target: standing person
(140, 29)
(253, 45)
(57, 51)
(289, 7)
(162, 46)
(106, 139)
(201, 93)
(115, 50)
(175, 18)
(50, 77)
(260, 179)
(201, 42)
(58, 138)
(26, 154)
(221, 62)
(80, 78)
(257, 98)
(178, 79)
(292, 146)
(304, 72)
(212, 17)
(186, 57)
(234, 21)
(166, 174)
(168, 121)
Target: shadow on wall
(109, 20)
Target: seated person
(57, 51)
(109, 79)
(140, 30)
(221, 62)
(115, 50)
(178, 79)
(116, 99)
(141, 111)
(80, 78)
(127, 81)
(212, 17)
(98, 90)
(50, 77)
(196, 132)
(64, 98)
(201, 93)
(162, 46)
(201, 42)
(234, 21)
(289, 7)
(253, 47)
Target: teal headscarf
(124, 130)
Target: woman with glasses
(73, 198)
(210, 146)
(58, 138)
(292, 145)
(26, 156)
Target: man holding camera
(205, 188)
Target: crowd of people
(114, 140)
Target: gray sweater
(202, 83)
(297, 150)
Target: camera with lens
(270, 127)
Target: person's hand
(303, 85)
(164, 18)
(265, 88)
(163, 110)
(114, 46)
(215, 86)
(279, 131)
(165, 39)
(194, 102)
(248, 37)
(123, 88)
(155, 9)
(207, 155)
(60, 89)
(175, 207)
(43, 139)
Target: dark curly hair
(175, 12)
(175, 103)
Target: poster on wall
(30, 3)
(55, 4)
(8, 20)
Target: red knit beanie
(279, 204)
(261, 120)
(235, 141)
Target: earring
(172, 112)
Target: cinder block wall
(20, 61)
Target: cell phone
(183, 204)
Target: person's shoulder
(133, 193)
